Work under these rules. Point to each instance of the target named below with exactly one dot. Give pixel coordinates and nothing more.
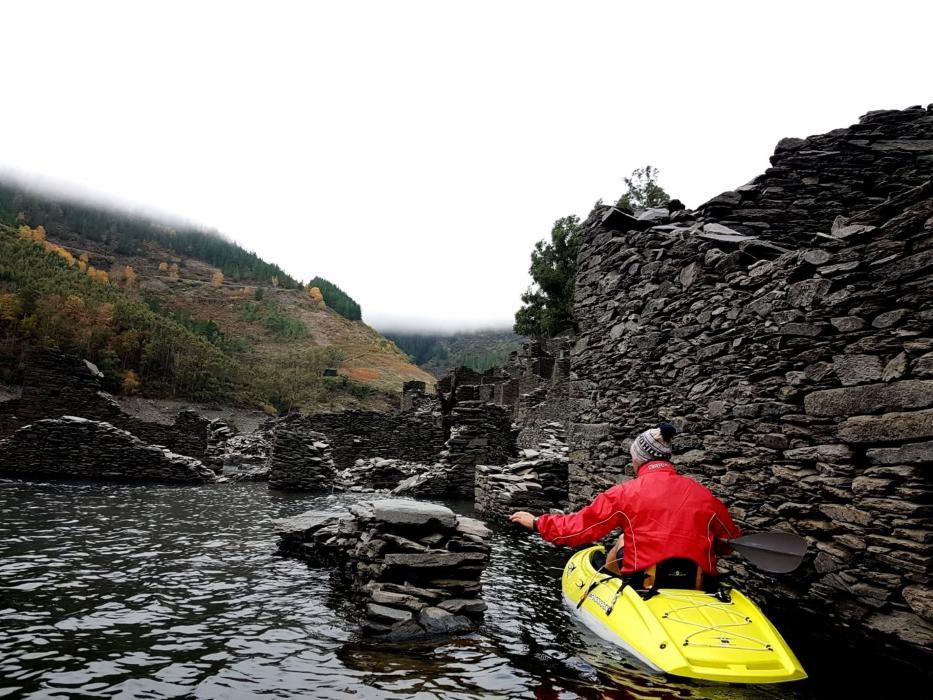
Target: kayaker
(663, 515)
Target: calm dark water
(112, 590)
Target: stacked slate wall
(797, 365)
(414, 568)
(77, 448)
(813, 180)
(57, 385)
(353, 435)
(299, 458)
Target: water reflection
(157, 592)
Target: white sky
(413, 152)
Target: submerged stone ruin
(378, 474)
(77, 448)
(240, 457)
(300, 459)
(413, 568)
(58, 385)
(535, 482)
(786, 329)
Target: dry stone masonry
(378, 474)
(300, 459)
(536, 482)
(413, 436)
(413, 568)
(73, 447)
(57, 385)
(240, 457)
(786, 329)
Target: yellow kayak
(718, 637)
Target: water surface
(116, 590)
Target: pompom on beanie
(654, 443)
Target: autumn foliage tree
(217, 279)
(316, 296)
(10, 306)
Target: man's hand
(524, 519)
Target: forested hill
(184, 314)
(439, 352)
(128, 234)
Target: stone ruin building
(786, 329)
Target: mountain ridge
(272, 336)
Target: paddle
(777, 552)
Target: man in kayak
(663, 515)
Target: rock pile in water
(414, 567)
(73, 447)
(433, 482)
(376, 474)
(300, 459)
(537, 482)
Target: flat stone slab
(723, 234)
(870, 398)
(472, 526)
(397, 511)
(434, 560)
(888, 427)
(311, 520)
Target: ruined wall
(413, 437)
(77, 448)
(57, 385)
(549, 401)
(813, 180)
(300, 459)
(797, 364)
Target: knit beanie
(654, 443)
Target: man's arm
(724, 528)
(587, 525)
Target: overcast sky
(413, 152)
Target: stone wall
(797, 364)
(57, 385)
(536, 481)
(415, 436)
(300, 459)
(480, 433)
(813, 180)
(77, 448)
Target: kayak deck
(681, 632)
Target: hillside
(438, 353)
(163, 323)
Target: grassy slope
(365, 357)
(369, 358)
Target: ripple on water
(112, 590)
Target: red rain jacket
(662, 515)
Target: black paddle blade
(777, 552)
